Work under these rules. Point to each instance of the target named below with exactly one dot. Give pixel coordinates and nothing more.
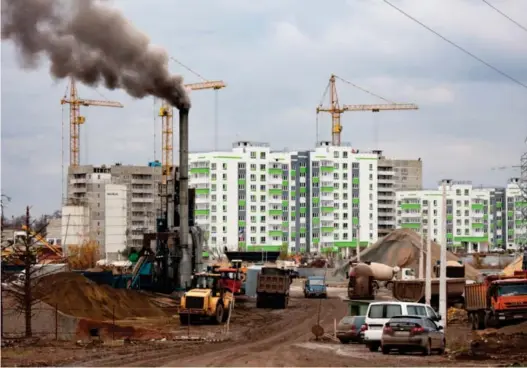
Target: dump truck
(415, 290)
(272, 288)
(207, 299)
(497, 301)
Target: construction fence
(48, 322)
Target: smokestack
(185, 264)
(93, 43)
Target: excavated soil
(401, 248)
(78, 296)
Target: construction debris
(75, 295)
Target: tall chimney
(185, 263)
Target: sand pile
(515, 265)
(401, 248)
(75, 295)
(457, 316)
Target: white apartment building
(308, 201)
(516, 215)
(473, 215)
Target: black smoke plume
(93, 43)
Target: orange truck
(497, 301)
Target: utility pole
(442, 265)
(422, 252)
(28, 261)
(428, 268)
(358, 243)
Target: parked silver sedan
(412, 333)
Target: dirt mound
(75, 295)
(401, 248)
(456, 315)
(515, 265)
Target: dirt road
(271, 338)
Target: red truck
(497, 301)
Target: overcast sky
(276, 58)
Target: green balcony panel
(327, 169)
(449, 236)
(285, 183)
(275, 171)
(410, 206)
(285, 223)
(327, 189)
(275, 233)
(285, 203)
(303, 189)
(471, 239)
(521, 204)
(477, 225)
(205, 254)
(498, 204)
(315, 180)
(302, 209)
(510, 213)
(275, 212)
(303, 170)
(327, 229)
(241, 223)
(275, 192)
(316, 240)
(293, 173)
(355, 201)
(315, 200)
(477, 206)
(315, 220)
(449, 217)
(241, 181)
(355, 181)
(327, 209)
(355, 220)
(411, 225)
(201, 212)
(200, 170)
(242, 202)
(202, 191)
(264, 248)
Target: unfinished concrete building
(394, 175)
(143, 202)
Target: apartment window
(253, 154)
(371, 167)
(224, 176)
(262, 239)
(262, 229)
(336, 154)
(224, 166)
(262, 166)
(225, 197)
(262, 177)
(345, 154)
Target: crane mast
(76, 120)
(336, 110)
(166, 112)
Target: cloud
(276, 58)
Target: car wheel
(373, 347)
(441, 351)
(428, 348)
(385, 350)
(342, 341)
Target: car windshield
(512, 289)
(316, 282)
(416, 310)
(204, 282)
(346, 321)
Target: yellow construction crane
(76, 120)
(167, 126)
(336, 110)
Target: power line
(457, 46)
(505, 15)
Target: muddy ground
(257, 337)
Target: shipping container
(115, 218)
(75, 226)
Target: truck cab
(315, 286)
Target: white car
(379, 313)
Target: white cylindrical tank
(378, 271)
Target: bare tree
(23, 287)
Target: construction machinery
(415, 290)
(336, 110)
(76, 120)
(208, 298)
(364, 279)
(497, 301)
(272, 289)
